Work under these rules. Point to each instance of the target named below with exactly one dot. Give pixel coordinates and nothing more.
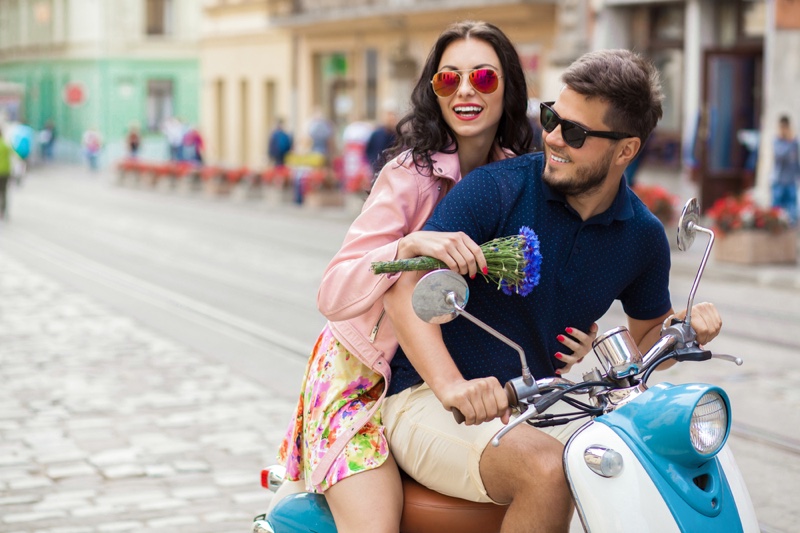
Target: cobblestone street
(106, 426)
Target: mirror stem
(694, 227)
(527, 378)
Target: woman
(467, 109)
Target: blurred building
(351, 59)
(102, 64)
(729, 68)
(246, 65)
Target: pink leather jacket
(350, 295)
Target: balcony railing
(308, 11)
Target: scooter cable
(584, 407)
(655, 365)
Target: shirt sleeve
(647, 297)
(349, 288)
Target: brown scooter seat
(426, 511)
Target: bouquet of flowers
(732, 213)
(513, 263)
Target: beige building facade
(347, 59)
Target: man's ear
(628, 149)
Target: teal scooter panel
(302, 513)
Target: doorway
(728, 123)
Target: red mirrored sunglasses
(447, 82)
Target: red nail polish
(558, 355)
(560, 338)
(472, 276)
(569, 330)
(558, 371)
(485, 270)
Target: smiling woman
(467, 109)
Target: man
(383, 137)
(786, 170)
(598, 242)
(280, 144)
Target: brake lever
(534, 409)
(729, 358)
(531, 412)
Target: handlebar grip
(458, 415)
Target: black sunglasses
(573, 134)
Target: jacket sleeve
(349, 288)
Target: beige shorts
(432, 448)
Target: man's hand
(478, 400)
(706, 321)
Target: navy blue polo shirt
(621, 254)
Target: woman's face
(472, 115)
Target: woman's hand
(456, 250)
(580, 343)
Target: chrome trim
(578, 507)
(593, 456)
(262, 526)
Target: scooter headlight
(709, 424)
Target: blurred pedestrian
(47, 139)
(280, 144)
(320, 130)
(381, 138)
(20, 137)
(786, 169)
(92, 143)
(193, 146)
(174, 131)
(133, 139)
(355, 171)
(5, 173)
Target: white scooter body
(631, 501)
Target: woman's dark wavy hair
(424, 130)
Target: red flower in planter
(732, 213)
(658, 200)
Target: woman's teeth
(468, 110)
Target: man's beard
(584, 181)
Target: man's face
(578, 171)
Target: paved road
(131, 403)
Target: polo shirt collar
(621, 208)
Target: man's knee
(526, 461)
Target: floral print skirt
(336, 388)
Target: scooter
(648, 458)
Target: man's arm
(705, 320)
(479, 400)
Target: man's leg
(525, 471)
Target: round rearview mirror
(439, 295)
(687, 223)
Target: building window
(159, 103)
(159, 17)
(753, 19)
